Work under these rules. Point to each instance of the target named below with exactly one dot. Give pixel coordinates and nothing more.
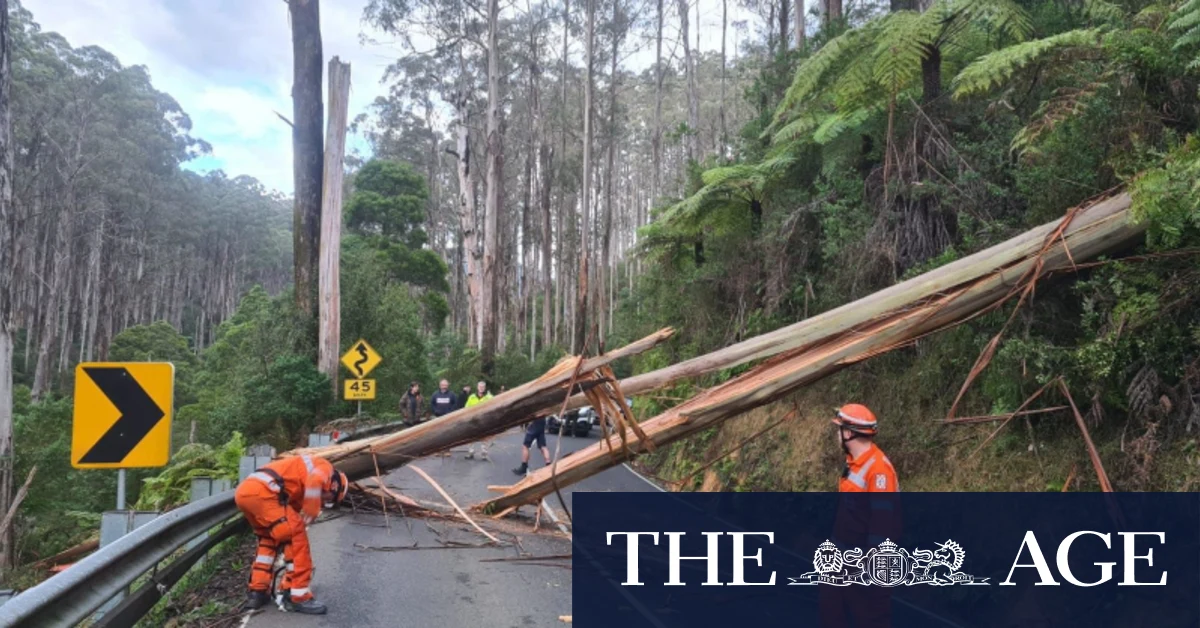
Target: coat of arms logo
(889, 565)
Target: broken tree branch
(453, 504)
(16, 503)
(879, 323)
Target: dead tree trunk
(329, 331)
(308, 118)
(879, 323)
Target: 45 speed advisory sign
(359, 390)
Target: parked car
(578, 422)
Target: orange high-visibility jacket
(304, 479)
(867, 520)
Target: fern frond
(1004, 16)
(812, 72)
(775, 166)
(724, 175)
(840, 123)
(998, 67)
(797, 129)
(903, 41)
(1104, 12)
(1186, 22)
(1066, 103)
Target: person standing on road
(280, 500)
(463, 397)
(481, 395)
(443, 401)
(411, 404)
(535, 430)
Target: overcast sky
(228, 63)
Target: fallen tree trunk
(937, 300)
(360, 459)
(840, 320)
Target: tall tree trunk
(308, 119)
(800, 17)
(546, 158)
(724, 64)
(931, 76)
(60, 259)
(606, 240)
(467, 212)
(329, 340)
(784, 22)
(495, 181)
(693, 152)
(581, 299)
(658, 103)
(833, 11)
(8, 288)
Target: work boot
(308, 607)
(522, 470)
(470, 455)
(256, 600)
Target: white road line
(644, 478)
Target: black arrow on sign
(139, 414)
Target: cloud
(229, 65)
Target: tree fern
(1186, 22)
(998, 67)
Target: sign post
(361, 359)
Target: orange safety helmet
(857, 418)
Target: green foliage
(1185, 22)
(159, 342)
(387, 211)
(172, 487)
(389, 199)
(1168, 197)
(997, 68)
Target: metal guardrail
(134, 607)
(73, 595)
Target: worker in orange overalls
(280, 500)
(862, 521)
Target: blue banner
(866, 560)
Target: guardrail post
(203, 487)
(115, 524)
(256, 456)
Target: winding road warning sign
(361, 359)
(122, 415)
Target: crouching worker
(280, 500)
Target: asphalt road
(446, 587)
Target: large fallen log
(842, 319)
(934, 302)
(360, 459)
